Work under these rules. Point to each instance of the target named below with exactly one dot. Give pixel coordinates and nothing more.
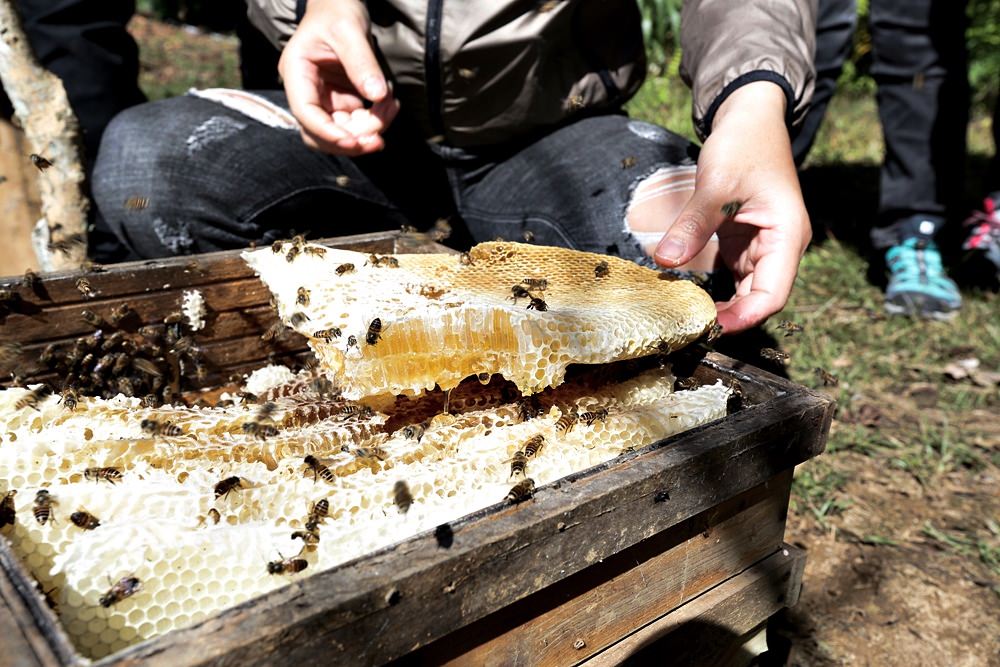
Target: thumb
(359, 62)
(691, 230)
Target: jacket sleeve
(276, 19)
(727, 44)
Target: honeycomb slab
(186, 548)
(409, 323)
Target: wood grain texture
(593, 609)
(710, 629)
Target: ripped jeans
(220, 169)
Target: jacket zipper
(432, 65)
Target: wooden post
(42, 108)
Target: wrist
(753, 103)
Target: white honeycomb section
(444, 319)
(196, 554)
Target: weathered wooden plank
(593, 609)
(502, 555)
(29, 632)
(709, 629)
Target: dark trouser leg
(217, 179)
(834, 33)
(920, 67)
(576, 186)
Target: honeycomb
(409, 323)
(172, 547)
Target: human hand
(329, 72)
(747, 191)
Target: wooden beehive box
(688, 531)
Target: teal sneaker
(917, 284)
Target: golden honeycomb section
(196, 553)
(446, 317)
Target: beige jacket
(484, 72)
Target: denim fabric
(217, 179)
(919, 64)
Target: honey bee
(629, 162)
(731, 208)
(391, 262)
(713, 333)
(259, 430)
(223, 488)
(70, 399)
(315, 251)
(790, 328)
(354, 410)
(534, 446)
(576, 102)
(136, 203)
(735, 401)
(119, 313)
(212, 514)
(43, 506)
(274, 332)
(83, 286)
(408, 229)
(519, 292)
(40, 162)
(413, 432)
(34, 397)
(299, 240)
(125, 587)
(319, 470)
(518, 464)
(685, 383)
(109, 474)
(352, 341)
(7, 509)
(317, 514)
(175, 317)
(166, 429)
(277, 246)
(441, 230)
(402, 497)
(528, 236)
(602, 270)
(293, 252)
(374, 332)
(147, 366)
(566, 422)
(298, 318)
(84, 519)
(323, 386)
(528, 408)
(92, 318)
(828, 379)
(776, 356)
(308, 537)
(344, 268)
(328, 334)
(537, 304)
(596, 415)
(150, 401)
(287, 566)
(373, 452)
(465, 259)
(540, 284)
(302, 297)
(521, 491)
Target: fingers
(359, 62)
(691, 231)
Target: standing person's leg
(227, 168)
(605, 184)
(835, 24)
(920, 68)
